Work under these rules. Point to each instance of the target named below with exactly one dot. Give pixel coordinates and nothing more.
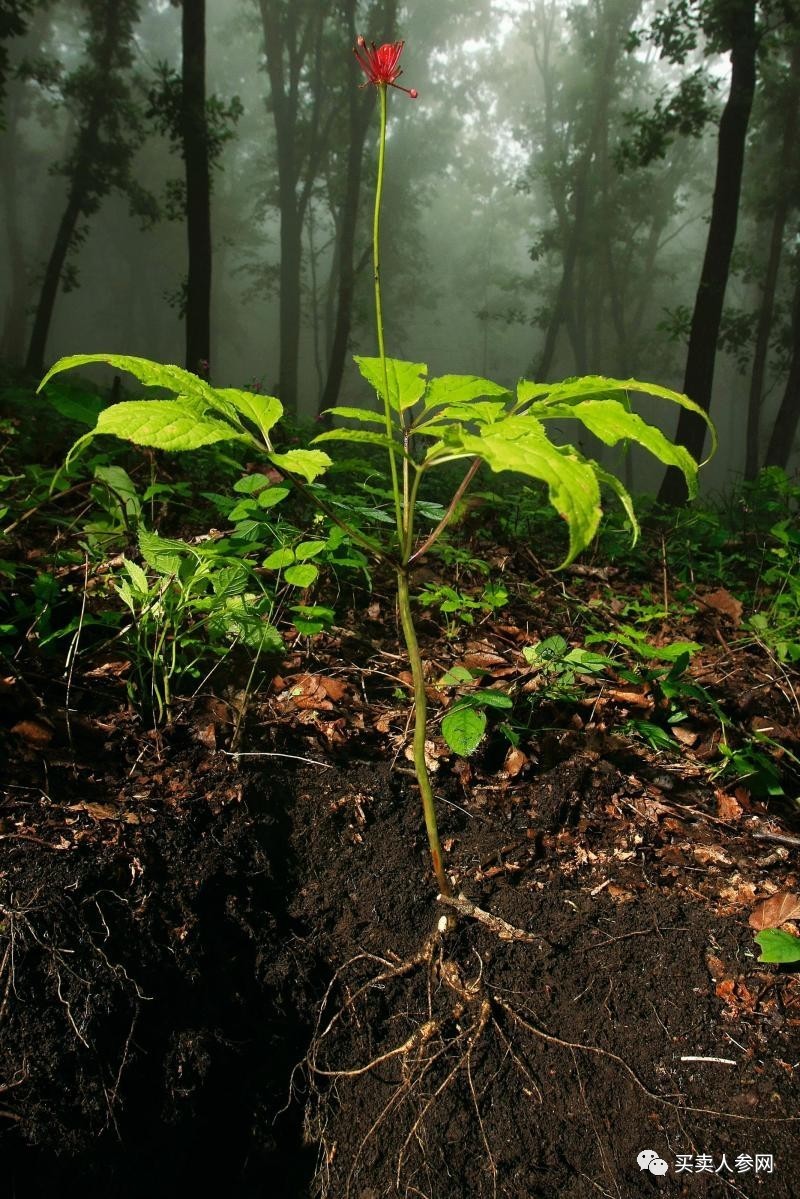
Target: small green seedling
(423, 424)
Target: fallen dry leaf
(97, 811)
(722, 601)
(728, 808)
(35, 732)
(775, 911)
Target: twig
(725, 1061)
(780, 838)
(294, 757)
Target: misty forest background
(608, 187)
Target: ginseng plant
(422, 423)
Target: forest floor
(223, 967)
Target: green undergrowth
(179, 573)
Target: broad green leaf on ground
(462, 728)
(455, 676)
(309, 464)
(491, 699)
(460, 389)
(406, 380)
(777, 946)
(171, 425)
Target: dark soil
(227, 974)
(171, 934)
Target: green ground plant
(422, 424)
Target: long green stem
(420, 722)
(376, 262)
(403, 507)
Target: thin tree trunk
(198, 186)
(78, 193)
(779, 217)
(707, 316)
(12, 345)
(577, 232)
(360, 107)
(785, 428)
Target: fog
(547, 207)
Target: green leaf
(460, 389)
(171, 425)
(612, 422)
(462, 728)
(406, 380)
(137, 575)
(230, 580)
(151, 374)
(263, 411)
(308, 549)
(777, 946)
(243, 625)
(278, 559)
(598, 385)
(74, 404)
(118, 481)
(363, 435)
(309, 464)
(454, 676)
(622, 494)
(359, 414)
(519, 443)
(162, 553)
(250, 484)
(301, 576)
(552, 649)
(485, 411)
(271, 496)
(492, 699)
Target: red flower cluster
(379, 64)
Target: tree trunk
(286, 37)
(360, 107)
(88, 138)
(788, 418)
(707, 316)
(52, 277)
(779, 217)
(198, 186)
(12, 345)
(617, 20)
